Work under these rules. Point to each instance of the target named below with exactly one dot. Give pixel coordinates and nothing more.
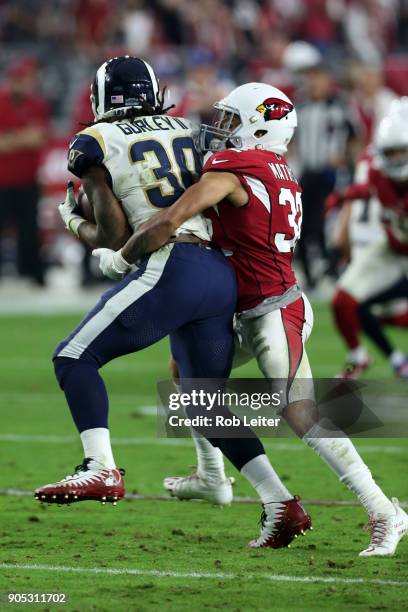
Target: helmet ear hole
(260, 133)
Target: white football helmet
(391, 141)
(252, 116)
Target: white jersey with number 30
(150, 162)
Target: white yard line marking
(73, 439)
(35, 396)
(211, 575)
(283, 446)
(237, 499)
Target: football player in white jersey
(373, 288)
(135, 154)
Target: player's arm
(342, 235)
(111, 229)
(212, 188)
(356, 191)
(86, 159)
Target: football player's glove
(69, 211)
(111, 263)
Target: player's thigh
(204, 348)
(244, 345)
(277, 338)
(128, 317)
(243, 352)
(373, 265)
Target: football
(85, 207)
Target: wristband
(120, 264)
(73, 224)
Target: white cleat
(386, 532)
(195, 487)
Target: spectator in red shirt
(23, 133)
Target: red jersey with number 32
(260, 236)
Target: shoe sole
(65, 499)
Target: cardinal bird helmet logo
(274, 108)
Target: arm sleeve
(357, 192)
(87, 149)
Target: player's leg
(195, 349)
(193, 346)
(146, 306)
(29, 254)
(102, 335)
(210, 482)
(105, 333)
(373, 328)
(358, 283)
(288, 333)
(387, 520)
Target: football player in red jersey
(378, 274)
(254, 202)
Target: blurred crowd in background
(342, 61)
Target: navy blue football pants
(182, 290)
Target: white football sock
(96, 444)
(341, 455)
(210, 461)
(397, 358)
(265, 480)
(358, 355)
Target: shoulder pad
(229, 160)
(86, 149)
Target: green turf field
(150, 554)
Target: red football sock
(345, 313)
(399, 320)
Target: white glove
(111, 263)
(71, 219)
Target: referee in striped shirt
(325, 138)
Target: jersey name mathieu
(393, 198)
(260, 237)
(150, 163)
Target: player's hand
(69, 211)
(111, 263)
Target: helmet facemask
(220, 133)
(394, 162)
(391, 142)
(252, 116)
